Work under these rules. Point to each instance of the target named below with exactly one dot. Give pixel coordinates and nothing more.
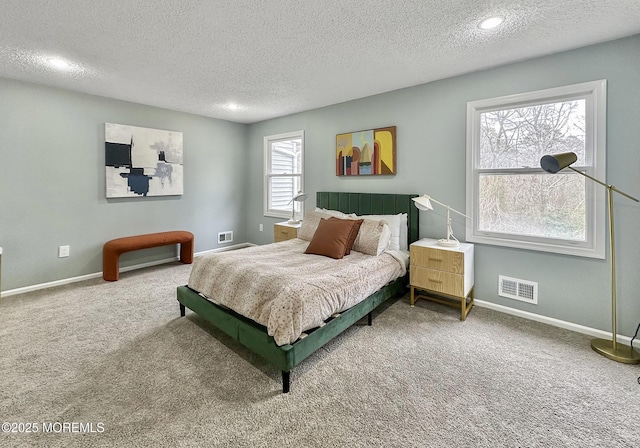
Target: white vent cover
(225, 237)
(514, 288)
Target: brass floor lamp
(610, 349)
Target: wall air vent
(514, 288)
(225, 237)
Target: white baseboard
(223, 249)
(551, 321)
(66, 281)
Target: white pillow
(336, 213)
(404, 231)
(395, 224)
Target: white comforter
(288, 291)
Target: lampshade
(300, 197)
(423, 202)
(554, 163)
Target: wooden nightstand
(443, 271)
(283, 231)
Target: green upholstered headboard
(373, 204)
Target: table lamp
(300, 197)
(424, 203)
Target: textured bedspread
(286, 290)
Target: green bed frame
(285, 357)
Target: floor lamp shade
(608, 348)
(555, 163)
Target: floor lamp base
(622, 353)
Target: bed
(286, 356)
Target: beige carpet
(117, 356)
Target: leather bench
(112, 250)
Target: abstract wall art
(142, 161)
(366, 153)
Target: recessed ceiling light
(59, 64)
(65, 66)
(232, 106)
(490, 23)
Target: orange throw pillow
(354, 232)
(331, 238)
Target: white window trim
(266, 171)
(595, 94)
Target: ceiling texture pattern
(277, 57)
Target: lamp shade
(423, 202)
(557, 162)
(300, 197)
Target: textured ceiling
(277, 57)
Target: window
(283, 168)
(511, 200)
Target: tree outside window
(512, 201)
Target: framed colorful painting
(366, 153)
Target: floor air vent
(225, 237)
(517, 289)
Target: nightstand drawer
(437, 281)
(283, 233)
(441, 260)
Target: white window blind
(283, 173)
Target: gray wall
(52, 183)
(431, 139)
(52, 177)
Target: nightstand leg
(413, 297)
(466, 308)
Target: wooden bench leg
(110, 266)
(186, 252)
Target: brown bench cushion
(112, 250)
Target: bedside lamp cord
(634, 336)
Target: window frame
(594, 94)
(268, 140)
